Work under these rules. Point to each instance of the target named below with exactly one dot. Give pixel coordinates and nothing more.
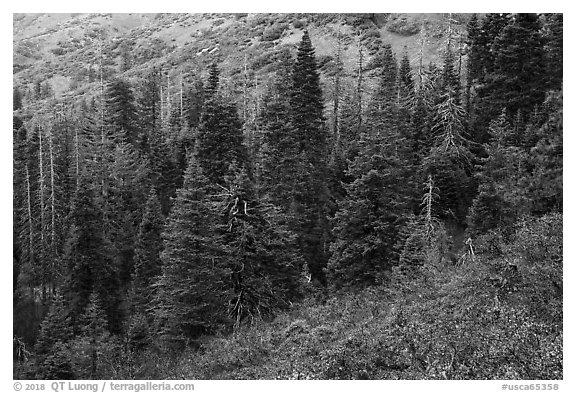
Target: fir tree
(311, 139)
(553, 49)
(405, 73)
(260, 252)
(501, 197)
(450, 81)
(127, 188)
(194, 97)
(16, 98)
(121, 111)
(475, 52)
(56, 327)
(91, 267)
(545, 160)
(191, 297)
(148, 107)
(368, 223)
(279, 150)
(519, 65)
(213, 80)
(220, 139)
(93, 338)
(147, 264)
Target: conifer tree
(128, 185)
(519, 65)
(481, 65)
(367, 226)
(368, 222)
(450, 81)
(16, 98)
(148, 108)
(55, 333)
(191, 297)
(279, 152)
(213, 80)
(553, 49)
(194, 97)
(220, 139)
(545, 160)
(147, 264)
(91, 266)
(475, 51)
(120, 109)
(55, 327)
(307, 107)
(405, 73)
(260, 252)
(94, 337)
(501, 197)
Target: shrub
(403, 26)
(298, 24)
(274, 32)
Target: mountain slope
(64, 49)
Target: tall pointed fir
(91, 263)
(191, 297)
(503, 184)
(553, 36)
(260, 252)
(481, 68)
(520, 72)
(148, 108)
(120, 112)
(51, 348)
(545, 185)
(147, 263)
(307, 107)
(128, 185)
(367, 227)
(220, 138)
(90, 361)
(449, 160)
(279, 151)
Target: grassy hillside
(63, 48)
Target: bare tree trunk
(459, 56)
(30, 220)
(421, 57)
(335, 109)
(161, 102)
(359, 88)
(41, 192)
(449, 29)
(245, 91)
(181, 96)
(77, 152)
(53, 245)
(168, 100)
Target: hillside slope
(63, 49)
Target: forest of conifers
(406, 229)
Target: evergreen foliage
(148, 247)
(161, 240)
(91, 267)
(220, 139)
(311, 137)
(191, 299)
(260, 252)
(120, 109)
